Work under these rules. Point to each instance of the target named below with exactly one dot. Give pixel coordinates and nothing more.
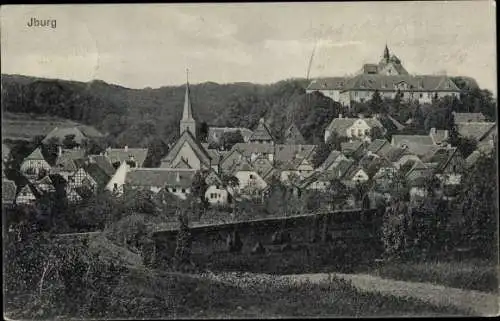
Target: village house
(65, 163)
(174, 180)
(26, 195)
(217, 193)
(134, 157)
(332, 160)
(450, 165)
(389, 78)
(91, 177)
(354, 128)
(251, 184)
(215, 133)
(35, 165)
(261, 134)
(80, 134)
(293, 136)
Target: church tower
(187, 121)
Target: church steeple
(386, 53)
(187, 121)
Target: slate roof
(35, 155)
(215, 133)
(293, 136)
(262, 132)
(121, 155)
(468, 117)
(418, 83)
(199, 150)
(332, 83)
(340, 125)
(8, 191)
(160, 177)
(476, 130)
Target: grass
(469, 275)
(26, 126)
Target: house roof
(351, 147)
(286, 153)
(35, 155)
(199, 150)
(334, 154)
(416, 144)
(66, 163)
(476, 130)
(247, 149)
(396, 123)
(8, 191)
(262, 132)
(468, 117)
(293, 135)
(121, 155)
(215, 156)
(215, 133)
(332, 83)
(262, 166)
(340, 125)
(160, 177)
(81, 132)
(104, 162)
(182, 164)
(417, 83)
(438, 135)
(376, 145)
(441, 157)
(372, 163)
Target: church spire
(187, 121)
(386, 52)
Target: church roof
(261, 132)
(187, 111)
(188, 138)
(293, 135)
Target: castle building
(389, 78)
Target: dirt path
(480, 303)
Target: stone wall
(308, 243)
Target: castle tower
(187, 122)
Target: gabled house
(216, 193)
(134, 157)
(293, 136)
(91, 177)
(65, 163)
(188, 150)
(353, 149)
(450, 165)
(174, 180)
(230, 160)
(252, 151)
(215, 133)
(81, 134)
(26, 195)
(35, 164)
(355, 128)
(251, 184)
(332, 160)
(287, 153)
(419, 145)
(261, 134)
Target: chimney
(59, 151)
(340, 116)
(125, 148)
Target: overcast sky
(141, 45)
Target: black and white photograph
(249, 160)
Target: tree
(69, 141)
(184, 240)
(203, 132)
(198, 188)
(465, 145)
(377, 104)
(338, 194)
(324, 149)
(230, 138)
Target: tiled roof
(160, 177)
(8, 191)
(215, 133)
(261, 132)
(200, 151)
(468, 117)
(121, 155)
(285, 153)
(35, 155)
(293, 135)
(350, 147)
(390, 83)
(476, 130)
(376, 145)
(333, 83)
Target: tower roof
(386, 52)
(187, 112)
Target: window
(216, 186)
(251, 176)
(360, 132)
(367, 132)
(355, 94)
(353, 132)
(183, 190)
(421, 95)
(174, 190)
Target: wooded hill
(135, 117)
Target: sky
(151, 45)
